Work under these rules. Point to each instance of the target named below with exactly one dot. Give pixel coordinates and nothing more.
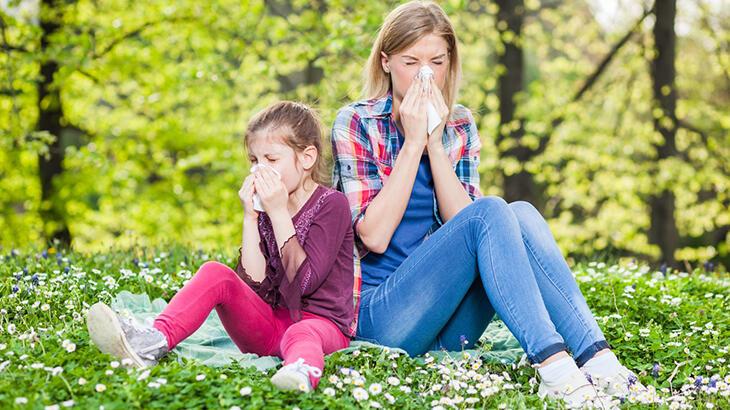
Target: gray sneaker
(124, 338)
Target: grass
(672, 328)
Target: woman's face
(431, 50)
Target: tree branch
(133, 33)
(590, 81)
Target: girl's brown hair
(402, 28)
(302, 128)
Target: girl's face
(269, 149)
(431, 50)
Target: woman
(437, 261)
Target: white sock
(558, 372)
(604, 365)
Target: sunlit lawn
(671, 327)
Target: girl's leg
(250, 322)
(564, 301)
(413, 306)
(310, 339)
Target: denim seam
(499, 291)
(398, 280)
(586, 328)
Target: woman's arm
(450, 193)
(453, 194)
(386, 210)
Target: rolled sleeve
(467, 168)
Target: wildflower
(100, 387)
(463, 341)
(145, 374)
(393, 381)
(698, 382)
(21, 400)
(45, 307)
(68, 345)
(81, 381)
(200, 377)
(15, 288)
(360, 394)
(375, 389)
(245, 391)
(329, 392)
(655, 370)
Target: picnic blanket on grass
(211, 345)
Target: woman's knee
(490, 206)
(523, 209)
(528, 216)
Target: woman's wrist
(435, 147)
(412, 148)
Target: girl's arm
(308, 264)
(251, 261)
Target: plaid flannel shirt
(365, 146)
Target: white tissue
(434, 119)
(256, 200)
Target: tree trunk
(49, 119)
(663, 231)
(519, 186)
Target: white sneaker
(123, 338)
(621, 384)
(295, 376)
(576, 392)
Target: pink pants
(253, 325)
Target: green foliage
(156, 96)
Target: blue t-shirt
(415, 224)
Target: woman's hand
(271, 190)
(434, 95)
(412, 111)
(245, 194)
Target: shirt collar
(379, 107)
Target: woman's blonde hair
(402, 28)
(300, 124)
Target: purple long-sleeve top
(313, 270)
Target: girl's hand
(412, 112)
(245, 194)
(271, 190)
(435, 140)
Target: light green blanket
(211, 345)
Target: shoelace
(300, 366)
(144, 352)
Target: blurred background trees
(121, 121)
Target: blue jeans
(490, 257)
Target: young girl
(291, 294)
